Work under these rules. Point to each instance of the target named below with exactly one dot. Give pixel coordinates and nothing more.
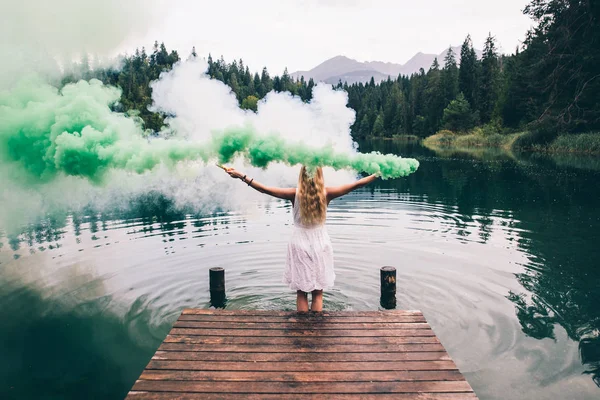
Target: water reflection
(71, 344)
(555, 200)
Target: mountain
(352, 71)
(332, 67)
(357, 76)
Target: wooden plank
(303, 387)
(299, 325)
(302, 348)
(315, 333)
(245, 376)
(353, 314)
(138, 395)
(296, 318)
(300, 357)
(303, 366)
(307, 341)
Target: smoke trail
(262, 150)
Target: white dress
(309, 263)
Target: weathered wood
(295, 318)
(286, 357)
(302, 348)
(359, 376)
(301, 333)
(300, 325)
(303, 366)
(388, 287)
(349, 314)
(216, 277)
(300, 341)
(303, 387)
(292, 396)
(224, 354)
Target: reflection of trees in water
(49, 230)
(151, 209)
(57, 342)
(563, 281)
(148, 213)
(154, 210)
(565, 295)
(555, 211)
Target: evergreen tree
(467, 76)
(277, 84)
(233, 84)
(561, 61)
(211, 66)
(515, 105)
(256, 85)
(450, 77)
(162, 57)
(416, 120)
(266, 84)
(458, 116)
(434, 98)
(364, 129)
(391, 118)
(310, 86)
(488, 85)
(378, 126)
(286, 82)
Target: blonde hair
(311, 194)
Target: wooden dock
(226, 354)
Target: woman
(309, 264)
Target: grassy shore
(407, 138)
(475, 139)
(584, 143)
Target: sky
(297, 34)
(301, 34)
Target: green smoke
(45, 132)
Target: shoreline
(584, 144)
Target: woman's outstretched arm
(337, 191)
(281, 193)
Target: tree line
(549, 84)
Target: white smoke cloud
(202, 106)
(39, 36)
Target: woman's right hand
(234, 174)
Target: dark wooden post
(388, 288)
(217, 287)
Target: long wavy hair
(311, 194)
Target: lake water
(499, 251)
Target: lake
(500, 252)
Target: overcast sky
(303, 33)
